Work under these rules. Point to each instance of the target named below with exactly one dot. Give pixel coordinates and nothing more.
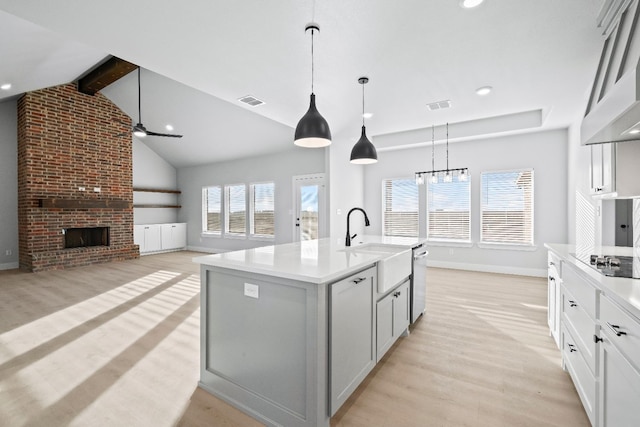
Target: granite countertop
(314, 261)
(625, 292)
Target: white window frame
(205, 211)
(529, 245)
(448, 241)
(227, 213)
(384, 207)
(252, 232)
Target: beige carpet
(118, 345)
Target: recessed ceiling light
(468, 4)
(6, 86)
(367, 115)
(168, 127)
(634, 131)
(484, 90)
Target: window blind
(400, 210)
(507, 207)
(262, 217)
(212, 207)
(236, 209)
(448, 210)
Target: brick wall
(68, 140)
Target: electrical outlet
(8, 252)
(451, 251)
(96, 189)
(80, 188)
(251, 291)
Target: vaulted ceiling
(199, 57)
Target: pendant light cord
(447, 147)
(139, 114)
(433, 156)
(362, 104)
(312, 60)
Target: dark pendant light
(363, 153)
(312, 130)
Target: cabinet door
(180, 235)
(152, 239)
(400, 310)
(619, 391)
(166, 236)
(603, 165)
(596, 168)
(384, 326)
(351, 346)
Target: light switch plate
(251, 290)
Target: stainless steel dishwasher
(418, 282)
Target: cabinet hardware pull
(552, 278)
(572, 348)
(572, 303)
(614, 329)
(596, 339)
(358, 280)
(552, 263)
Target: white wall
(8, 185)
(279, 168)
(346, 185)
(152, 171)
(545, 152)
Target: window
(212, 204)
(236, 210)
(400, 210)
(507, 207)
(262, 218)
(448, 210)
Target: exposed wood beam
(104, 74)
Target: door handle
(623, 226)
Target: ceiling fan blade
(163, 134)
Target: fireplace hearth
(85, 237)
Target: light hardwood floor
(118, 345)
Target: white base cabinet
(600, 344)
(619, 394)
(160, 237)
(392, 312)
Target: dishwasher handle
(418, 255)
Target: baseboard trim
(9, 266)
(205, 249)
(484, 268)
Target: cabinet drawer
(581, 375)
(612, 319)
(581, 289)
(582, 327)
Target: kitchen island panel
(266, 356)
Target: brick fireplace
(74, 172)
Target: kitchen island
(289, 331)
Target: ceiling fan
(139, 130)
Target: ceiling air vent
(251, 100)
(439, 105)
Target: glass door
(309, 220)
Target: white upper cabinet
(614, 170)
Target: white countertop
(625, 292)
(313, 261)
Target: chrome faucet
(366, 223)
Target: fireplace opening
(84, 237)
